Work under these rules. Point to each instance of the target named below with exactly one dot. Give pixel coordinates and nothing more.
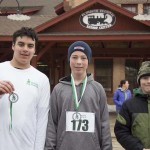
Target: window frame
(111, 76)
(138, 62)
(147, 5)
(125, 6)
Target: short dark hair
(122, 82)
(25, 31)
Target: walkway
(116, 145)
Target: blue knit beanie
(80, 46)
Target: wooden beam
(133, 37)
(130, 44)
(5, 55)
(44, 50)
(62, 50)
(6, 38)
(34, 61)
(103, 45)
(5, 50)
(64, 37)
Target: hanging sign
(97, 19)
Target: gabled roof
(7, 27)
(13, 3)
(47, 16)
(129, 1)
(85, 5)
(48, 5)
(47, 12)
(24, 10)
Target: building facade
(119, 42)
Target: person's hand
(6, 87)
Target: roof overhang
(24, 10)
(87, 37)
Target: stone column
(68, 4)
(91, 67)
(140, 8)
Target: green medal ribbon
(10, 125)
(76, 102)
(13, 98)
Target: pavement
(112, 119)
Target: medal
(13, 97)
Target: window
(130, 7)
(131, 70)
(103, 73)
(146, 8)
(41, 66)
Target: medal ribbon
(13, 97)
(10, 126)
(76, 102)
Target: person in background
(24, 97)
(79, 118)
(121, 94)
(132, 127)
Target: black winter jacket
(132, 127)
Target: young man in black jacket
(132, 128)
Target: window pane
(146, 9)
(41, 66)
(130, 7)
(103, 73)
(131, 70)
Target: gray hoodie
(93, 101)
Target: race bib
(80, 121)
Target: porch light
(18, 16)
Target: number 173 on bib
(80, 121)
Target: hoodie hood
(120, 88)
(139, 92)
(67, 79)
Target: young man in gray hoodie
(79, 117)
